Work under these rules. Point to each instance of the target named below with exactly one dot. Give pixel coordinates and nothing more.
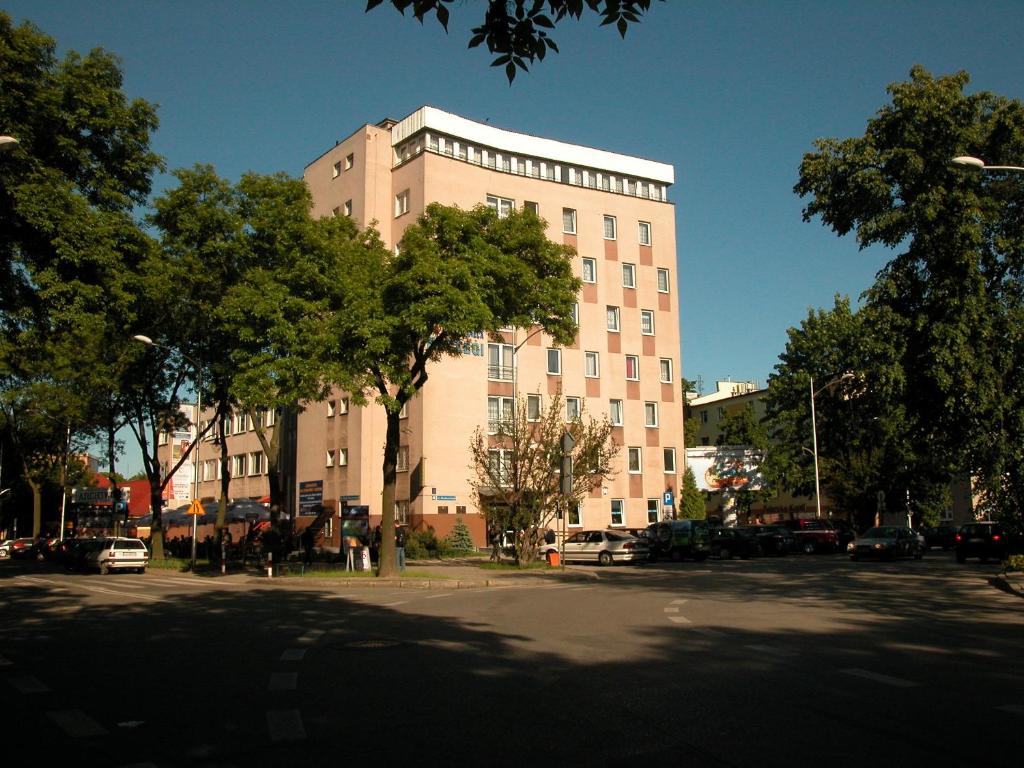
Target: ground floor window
(618, 512)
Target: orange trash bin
(553, 558)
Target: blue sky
(730, 93)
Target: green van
(679, 539)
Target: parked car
(886, 542)
(845, 533)
(117, 554)
(605, 547)
(774, 539)
(679, 539)
(5, 548)
(983, 540)
(24, 548)
(727, 543)
(74, 552)
(814, 535)
(943, 536)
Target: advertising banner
(725, 468)
(311, 497)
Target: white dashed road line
(285, 725)
(77, 724)
(895, 682)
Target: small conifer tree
(460, 540)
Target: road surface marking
(895, 682)
(679, 619)
(393, 604)
(311, 636)
(293, 654)
(285, 725)
(283, 681)
(119, 593)
(29, 684)
(438, 595)
(771, 651)
(76, 723)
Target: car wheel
(918, 555)
(809, 547)
(724, 554)
(700, 557)
(605, 558)
(677, 555)
(104, 569)
(855, 558)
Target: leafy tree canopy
(517, 30)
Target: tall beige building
(614, 210)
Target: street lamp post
(199, 409)
(974, 162)
(814, 433)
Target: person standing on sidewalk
(400, 547)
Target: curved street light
(974, 162)
(199, 409)
(7, 143)
(814, 431)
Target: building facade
(614, 210)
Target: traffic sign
(196, 508)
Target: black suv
(727, 543)
(983, 540)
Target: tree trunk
(156, 529)
(388, 563)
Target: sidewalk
(451, 574)
(1012, 582)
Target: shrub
(459, 542)
(1014, 563)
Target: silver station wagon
(605, 547)
(118, 554)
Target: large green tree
(456, 272)
(69, 242)
(953, 288)
(517, 30)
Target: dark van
(679, 539)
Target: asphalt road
(791, 661)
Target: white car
(118, 554)
(604, 547)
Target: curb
(1014, 584)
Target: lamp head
(143, 339)
(970, 162)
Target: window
(332, 408)
(576, 313)
(650, 414)
(257, 463)
(347, 208)
(589, 270)
(647, 322)
(665, 370)
(721, 413)
(403, 413)
(532, 207)
(269, 417)
(502, 205)
(632, 368)
(238, 465)
(633, 460)
(349, 160)
(533, 406)
(663, 283)
(704, 416)
(576, 516)
(615, 413)
(652, 510)
(401, 203)
(239, 427)
(343, 406)
(401, 511)
(336, 170)
(572, 408)
(499, 413)
(591, 365)
(342, 457)
(644, 232)
(336, 211)
(609, 227)
(669, 455)
(403, 459)
(499, 362)
(555, 362)
(569, 221)
(629, 275)
(330, 458)
(500, 465)
(442, 510)
(613, 319)
(210, 469)
(618, 512)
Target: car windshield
(618, 536)
(880, 533)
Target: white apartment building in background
(614, 210)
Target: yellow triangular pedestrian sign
(195, 508)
